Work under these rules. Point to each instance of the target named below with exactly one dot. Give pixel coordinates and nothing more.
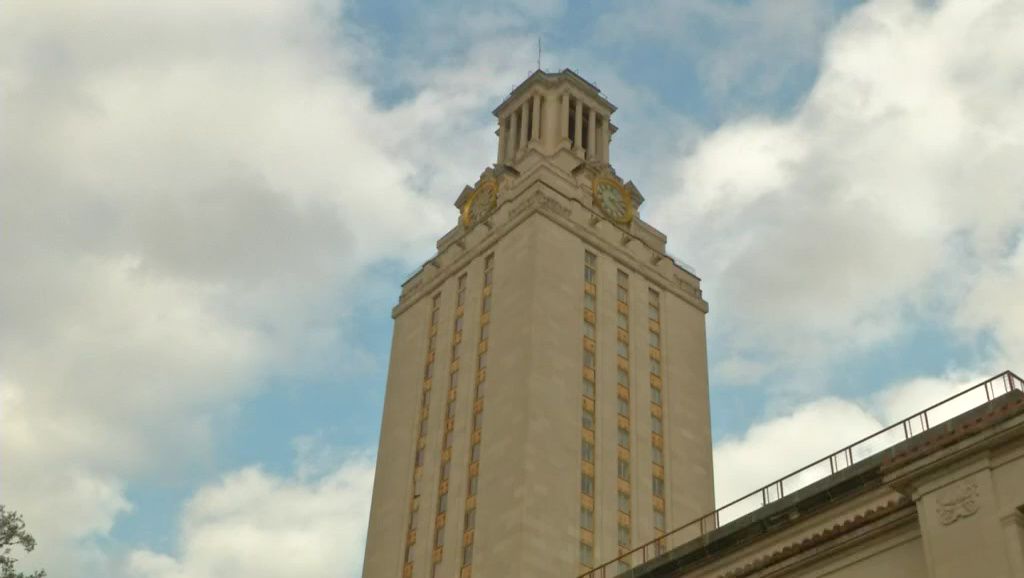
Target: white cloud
(779, 445)
(255, 524)
(189, 191)
(892, 193)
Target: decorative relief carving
(542, 202)
(957, 501)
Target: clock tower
(547, 395)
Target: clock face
(613, 200)
(480, 204)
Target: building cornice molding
(552, 204)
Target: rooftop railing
(854, 453)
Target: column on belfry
(592, 135)
(578, 133)
(564, 117)
(606, 138)
(513, 138)
(502, 135)
(535, 134)
(524, 119)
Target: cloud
(745, 53)
(251, 523)
(780, 444)
(891, 195)
(190, 195)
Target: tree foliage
(13, 533)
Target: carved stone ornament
(540, 201)
(957, 501)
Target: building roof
(852, 480)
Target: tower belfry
(547, 396)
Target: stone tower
(547, 396)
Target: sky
(207, 210)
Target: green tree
(12, 533)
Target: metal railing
(856, 452)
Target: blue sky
(208, 210)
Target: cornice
(537, 197)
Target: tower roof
(550, 79)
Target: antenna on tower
(539, 52)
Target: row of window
(587, 482)
(440, 519)
(657, 434)
(589, 388)
(414, 503)
(469, 518)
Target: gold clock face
(613, 199)
(480, 203)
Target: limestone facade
(484, 474)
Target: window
(415, 486)
(461, 294)
(478, 421)
(455, 351)
(428, 372)
(432, 342)
(590, 259)
(587, 451)
(586, 554)
(655, 395)
(453, 379)
(622, 349)
(588, 419)
(434, 315)
(588, 301)
(467, 554)
(656, 424)
(484, 331)
(588, 388)
(623, 377)
(587, 485)
(482, 360)
(473, 482)
(623, 320)
(458, 324)
(623, 470)
(439, 537)
(623, 294)
(480, 390)
(446, 468)
(426, 398)
(412, 518)
(659, 520)
(442, 503)
(586, 518)
(423, 427)
(623, 535)
(486, 304)
(623, 502)
(623, 279)
(451, 409)
(469, 519)
(588, 359)
(488, 269)
(657, 456)
(623, 407)
(655, 367)
(419, 457)
(588, 329)
(658, 487)
(488, 277)
(655, 339)
(448, 439)
(624, 437)
(408, 552)
(474, 453)
(652, 312)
